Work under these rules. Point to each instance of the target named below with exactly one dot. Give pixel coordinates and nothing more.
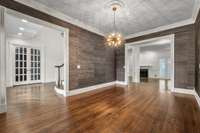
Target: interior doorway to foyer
(32, 50)
(151, 60)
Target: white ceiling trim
(71, 20)
(171, 26)
(161, 28)
(60, 15)
(196, 10)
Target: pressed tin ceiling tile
(136, 16)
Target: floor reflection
(163, 84)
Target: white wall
(52, 48)
(151, 59)
(53, 44)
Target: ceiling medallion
(115, 38)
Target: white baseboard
(121, 83)
(197, 98)
(60, 91)
(3, 108)
(87, 89)
(90, 88)
(190, 92)
(184, 91)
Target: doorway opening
(34, 50)
(31, 51)
(149, 60)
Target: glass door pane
(20, 65)
(35, 65)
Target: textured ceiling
(136, 16)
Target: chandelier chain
(114, 39)
(114, 20)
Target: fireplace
(144, 73)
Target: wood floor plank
(136, 108)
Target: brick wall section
(95, 58)
(184, 55)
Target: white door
(27, 65)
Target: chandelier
(115, 38)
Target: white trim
(197, 98)
(196, 10)
(77, 22)
(66, 62)
(2, 62)
(188, 92)
(99, 86)
(184, 91)
(60, 91)
(145, 43)
(171, 26)
(87, 89)
(90, 88)
(60, 15)
(161, 28)
(66, 46)
(121, 83)
(3, 108)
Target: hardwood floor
(134, 109)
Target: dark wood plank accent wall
(87, 49)
(197, 41)
(184, 55)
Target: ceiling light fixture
(21, 28)
(24, 20)
(115, 38)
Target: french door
(27, 65)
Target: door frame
(12, 61)
(3, 100)
(147, 42)
(66, 42)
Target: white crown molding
(171, 26)
(196, 10)
(71, 20)
(60, 15)
(161, 28)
